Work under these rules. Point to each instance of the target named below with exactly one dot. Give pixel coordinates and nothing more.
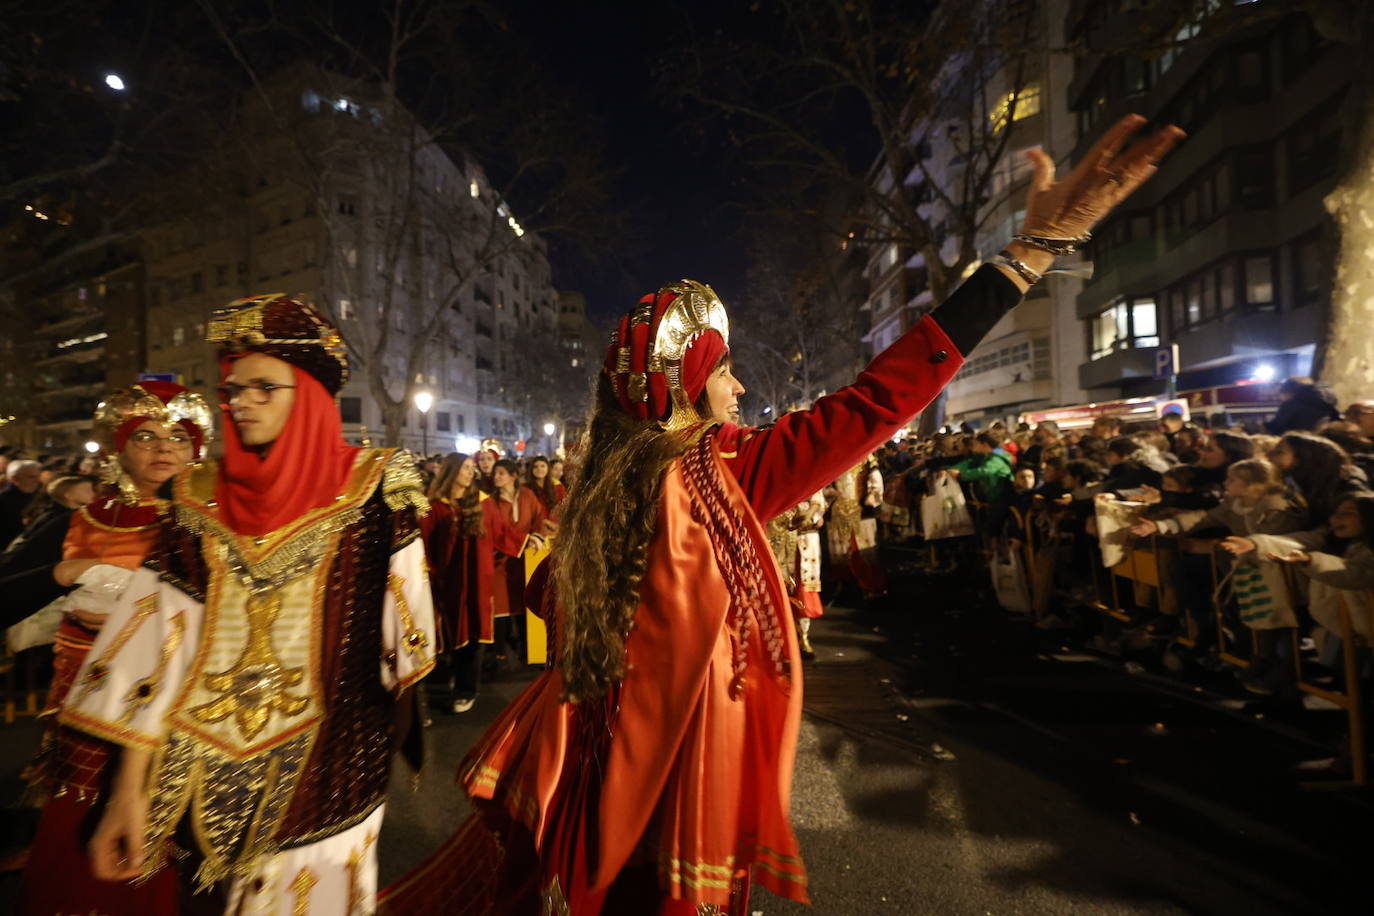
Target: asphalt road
(950, 763)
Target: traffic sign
(1166, 361)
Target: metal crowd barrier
(1143, 565)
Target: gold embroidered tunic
(262, 673)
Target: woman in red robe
(540, 481)
(155, 428)
(524, 516)
(462, 533)
(649, 770)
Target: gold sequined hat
(289, 329)
(662, 352)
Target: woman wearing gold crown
(256, 671)
(649, 770)
(154, 430)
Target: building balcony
(1117, 368)
(1148, 266)
(73, 355)
(68, 325)
(74, 389)
(1243, 335)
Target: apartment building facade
(1227, 251)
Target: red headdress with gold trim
(662, 352)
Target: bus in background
(1246, 403)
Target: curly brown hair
(470, 506)
(602, 549)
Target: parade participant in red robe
(486, 459)
(256, 672)
(649, 770)
(524, 518)
(463, 532)
(153, 429)
(540, 481)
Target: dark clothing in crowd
(13, 502)
(1309, 408)
(1131, 474)
(26, 567)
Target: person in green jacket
(988, 470)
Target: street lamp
(423, 402)
(549, 430)
(114, 82)
(92, 447)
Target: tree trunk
(1345, 359)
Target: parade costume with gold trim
(260, 662)
(671, 794)
(795, 539)
(853, 539)
(73, 768)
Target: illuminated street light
(92, 447)
(1264, 373)
(114, 82)
(423, 402)
(549, 429)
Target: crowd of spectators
(1258, 535)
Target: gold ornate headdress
(650, 345)
(162, 402)
(287, 328)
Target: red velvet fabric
(305, 468)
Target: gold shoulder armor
(402, 484)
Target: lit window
(473, 189)
(345, 309)
(892, 254)
(1027, 104)
(178, 336)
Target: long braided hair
(602, 549)
(470, 506)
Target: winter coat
(1309, 409)
(989, 475)
(1331, 579)
(1274, 514)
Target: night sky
(683, 192)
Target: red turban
(643, 361)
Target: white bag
(944, 513)
(1009, 582)
(37, 629)
(1114, 520)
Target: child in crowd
(1320, 471)
(1335, 559)
(1255, 501)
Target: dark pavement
(955, 761)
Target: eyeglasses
(148, 440)
(230, 392)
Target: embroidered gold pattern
(305, 880)
(143, 692)
(267, 562)
(414, 639)
(256, 686)
(99, 669)
(552, 902)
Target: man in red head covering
(252, 672)
(649, 770)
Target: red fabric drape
(305, 468)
